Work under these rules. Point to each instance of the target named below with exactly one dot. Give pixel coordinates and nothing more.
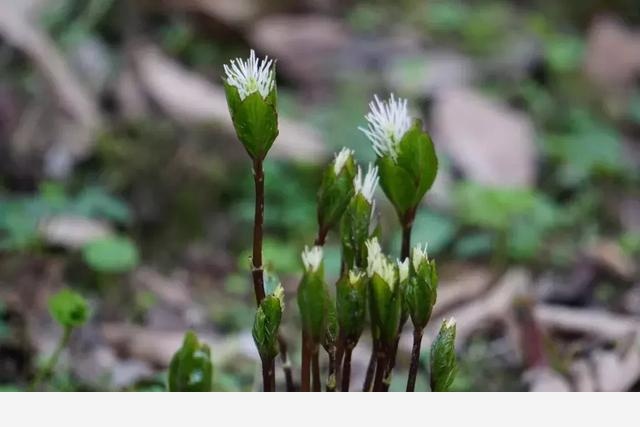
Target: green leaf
(406, 180)
(351, 307)
(334, 194)
(312, 303)
(265, 326)
(420, 293)
(69, 308)
(191, 369)
(443, 357)
(111, 254)
(255, 119)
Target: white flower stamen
(366, 186)
(378, 263)
(388, 121)
(312, 258)
(341, 160)
(251, 75)
(419, 254)
(450, 323)
(403, 269)
(355, 276)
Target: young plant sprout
(407, 160)
(391, 290)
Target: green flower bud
(351, 304)
(69, 308)
(312, 295)
(336, 190)
(385, 297)
(422, 288)
(267, 323)
(356, 224)
(407, 160)
(331, 331)
(443, 357)
(191, 368)
(251, 96)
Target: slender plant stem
(46, 371)
(286, 365)
(321, 238)
(315, 369)
(305, 370)
(415, 359)
(392, 359)
(407, 225)
(381, 370)
(346, 369)
(258, 222)
(331, 378)
(339, 355)
(268, 375)
(371, 368)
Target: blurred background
(120, 176)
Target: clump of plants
(373, 289)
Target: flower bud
(331, 329)
(191, 368)
(251, 96)
(351, 304)
(407, 160)
(336, 190)
(69, 308)
(356, 226)
(312, 295)
(385, 298)
(267, 322)
(421, 290)
(443, 357)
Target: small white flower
(403, 269)
(449, 323)
(252, 75)
(355, 276)
(378, 263)
(373, 248)
(341, 159)
(312, 258)
(279, 293)
(388, 121)
(419, 254)
(366, 186)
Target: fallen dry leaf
(489, 142)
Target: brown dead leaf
(306, 46)
(613, 55)
(489, 142)
(72, 232)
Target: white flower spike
(251, 75)
(388, 121)
(403, 269)
(419, 254)
(366, 186)
(378, 263)
(355, 276)
(341, 159)
(312, 258)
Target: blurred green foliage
(20, 215)
(113, 254)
